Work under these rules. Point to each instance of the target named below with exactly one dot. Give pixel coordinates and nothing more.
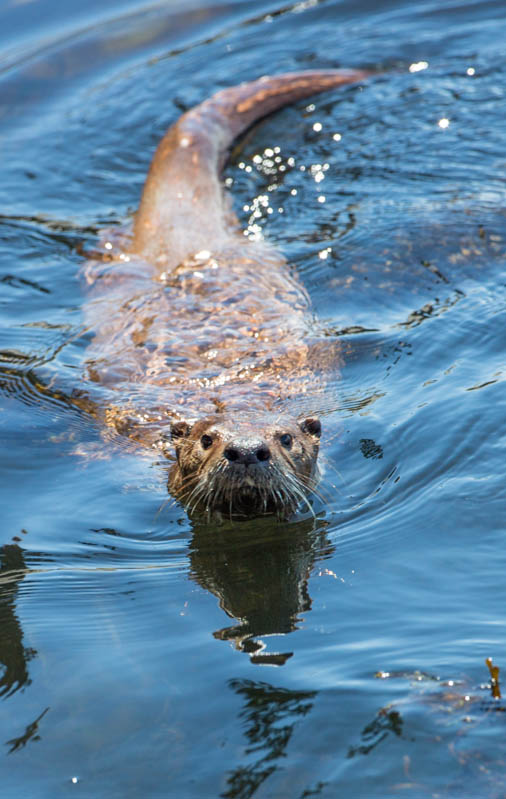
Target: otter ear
(180, 430)
(312, 426)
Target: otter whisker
(304, 497)
(196, 495)
(285, 497)
(311, 484)
(169, 501)
(330, 465)
(298, 493)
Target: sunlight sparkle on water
(418, 66)
(317, 171)
(329, 573)
(302, 6)
(444, 123)
(253, 232)
(317, 127)
(470, 71)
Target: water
(143, 655)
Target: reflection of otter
(270, 716)
(259, 580)
(192, 320)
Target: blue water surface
(146, 655)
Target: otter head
(244, 467)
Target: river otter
(196, 323)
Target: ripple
(121, 611)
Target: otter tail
(183, 209)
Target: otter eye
(286, 440)
(206, 441)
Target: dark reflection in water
(386, 721)
(14, 656)
(269, 716)
(259, 574)
(31, 733)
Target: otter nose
(247, 455)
